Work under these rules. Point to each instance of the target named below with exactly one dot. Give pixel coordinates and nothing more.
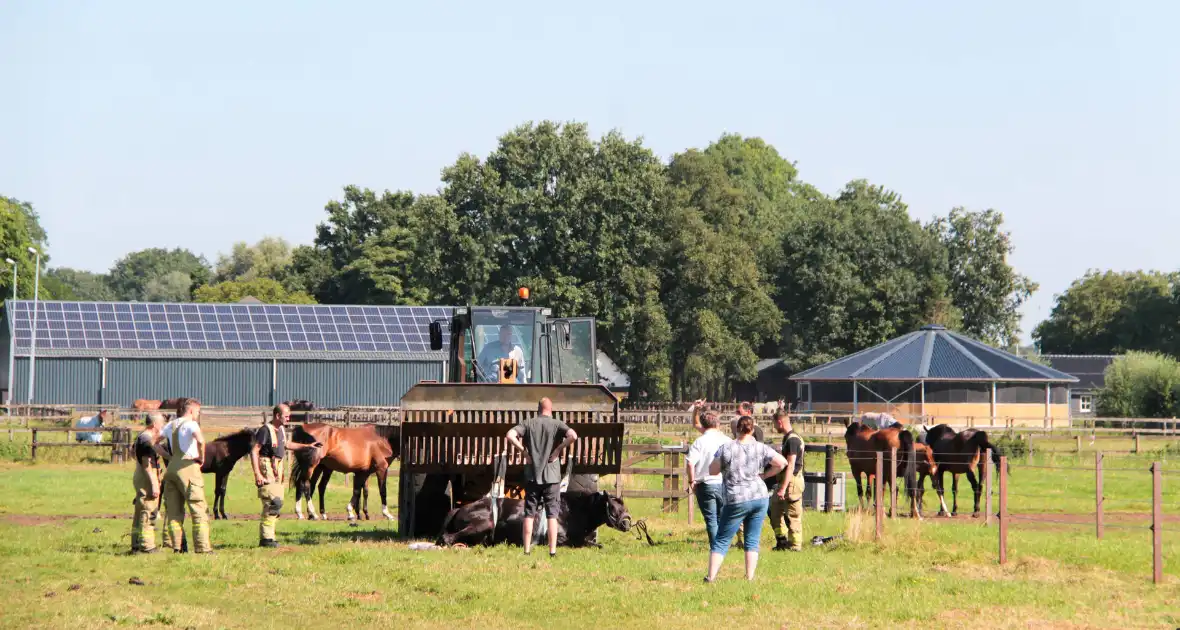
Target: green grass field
(60, 572)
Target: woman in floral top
(743, 465)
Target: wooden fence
(672, 470)
(120, 443)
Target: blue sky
(138, 124)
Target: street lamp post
(36, 300)
(11, 338)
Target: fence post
(1077, 443)
(1136, 436)
(893, 482)
(666, 502)
(676, 482)
(830, 477)
(34, 449)
(1028, 454)
(1003, 510)
(1098, 498)
(1157, 524)
(878, 490)
(987, 487)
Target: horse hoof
(459, 546)
(975, 515)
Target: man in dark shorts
(541, 439)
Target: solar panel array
(240, 327)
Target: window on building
(803, 391)
(1086, 404)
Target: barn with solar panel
(112, 353)
(938, 376)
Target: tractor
(501, 362)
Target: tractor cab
(517, 344)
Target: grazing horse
(864, 442)
(220, 457)
(362, 451)
(959, 453)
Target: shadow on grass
(341, 536)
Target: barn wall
(59, 381)
(359, 383)
(216, 382)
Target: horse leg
(365, 499)
(323, 487)
(977, 488)
(940, 488)
(358, 483)
(382, 473)
(954, 494)
(860, 491)
(219, 493)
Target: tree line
(694, 267)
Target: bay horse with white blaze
(362, 451)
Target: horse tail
(910, 456)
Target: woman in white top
(183, 483)
(708, 488)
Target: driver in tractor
(493, 353)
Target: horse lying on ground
(959, 453)
(863, 443)
(363, 451)
(482, 523)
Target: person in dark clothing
(786, 497)
(146, 480)
(542, 439)
(266, 457)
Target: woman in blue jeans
(743, 464)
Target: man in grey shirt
(541, 439)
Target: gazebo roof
(933, 354)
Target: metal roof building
(244, 354)
(937, 375)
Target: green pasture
(60, 572)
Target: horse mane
(237, 435)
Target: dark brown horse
(362, 451)
(959, 453)
(220, 457)
(863, 443)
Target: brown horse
(362, 451)
(959, 453)
(145, 404)
(863, 443)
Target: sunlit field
(66, 531)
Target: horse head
(617, 515)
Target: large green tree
(159, 274)
(1112, 313)
(262, 289)
(19, 230)
(581, 221)
(83, 285)
(721, 228)
(1141, 385)
(984, 288)
(857, 271)
(268, 258)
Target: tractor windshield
(501, 335)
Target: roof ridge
(1047, 372)
(898, 345)
(950, 338)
